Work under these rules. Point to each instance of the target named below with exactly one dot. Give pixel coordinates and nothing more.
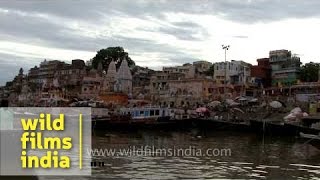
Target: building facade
(285, 67)
(261, 73)
(237, 72)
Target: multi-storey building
(261, 73)
(141, 76)
(184, 69)
(202, 67)
(71, 74)
(181, 86)
(196, 69)
(285, 67)
(33, 75)
(47, 70)
(182, 92)
(234, 72)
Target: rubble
(295, 114)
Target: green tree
(210, 71)
(21, 72)
(9, 84)
(310, 72)
(105, 56)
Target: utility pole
(225, 48)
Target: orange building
(114, 98)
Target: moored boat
(270, 127)
(313, 139)
(147, 115)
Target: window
(157, 112)
(141, 113)
(151, 112)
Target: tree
(310, 72)
(21, 72)
(105, 56)
(9, 83)
(210, 71)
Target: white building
(184, 69)
(197, 69)
(238, 72)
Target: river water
(237, 155)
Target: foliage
(105, 56)
(21, 71)
(210, 71)
(309, 72)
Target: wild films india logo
(51, 144)
(50, 141)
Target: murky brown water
(251, 157)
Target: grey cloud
(181, 34)
(10, 65)
(39, 31)
(264, 10)
(241, 36)
(186, 24)
(138, 46)
(43, 32)
(185, 31)
(236, 10)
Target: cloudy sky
(156, 33)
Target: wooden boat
(270, 127)
(274, 127)
(296, 128)
(305, 125)
(312, 139)
(133, 117)
(110, 121)
(147, 115)
(234, 125)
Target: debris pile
(316, 125)
(295, 115)
(275, 104)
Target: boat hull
(145, 123)
(313, 140)
(271, 128)
(297, 129)
(277, 128)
